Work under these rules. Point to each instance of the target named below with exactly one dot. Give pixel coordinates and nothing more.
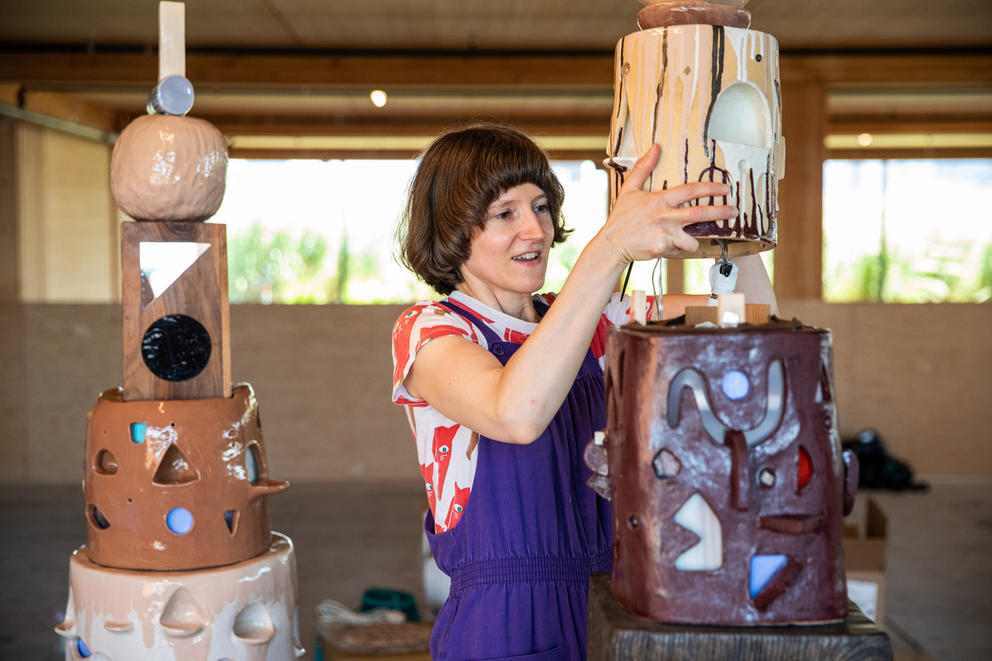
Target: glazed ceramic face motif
(709, 96)
(726, 475)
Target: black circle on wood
(176, 347)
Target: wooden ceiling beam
(453, 71)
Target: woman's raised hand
(647, 225)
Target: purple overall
(532, 532)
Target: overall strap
(492, 339)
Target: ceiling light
(378, 98)
(864, 139)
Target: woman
(500, 423)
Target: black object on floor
(879, 470)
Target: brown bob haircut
(460, 174)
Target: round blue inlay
(179, 520)
(82, 649)
(735, 384)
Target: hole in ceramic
(138, 430)
(666, 465)
(767, 477)
(804, 468)
(231, 519)
(174, 468)
(97, 518)
(735, 385)
(763, 569)
(252, 464)
(106, 463)
(179, 520)
(698, 517)
(634, 521)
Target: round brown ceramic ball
(169, 168)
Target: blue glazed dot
(82, 649)
(138, 432)
(735, 384)
(179, 520)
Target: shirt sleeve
(416, 326)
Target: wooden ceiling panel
(505, 25)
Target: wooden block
(698, 314)
(171, 39)
(616, 635)
(172, 325)
(731, 309)
(638, 307)
(757, 313)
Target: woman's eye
(542, 208)
(504, 215)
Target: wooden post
(799, 256)
(171, 39)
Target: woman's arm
(514, 403)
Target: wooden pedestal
(616, 635)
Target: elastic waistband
(554, 569)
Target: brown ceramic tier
(740, 422)
(176, 484)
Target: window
(311, 231)
(907, 230)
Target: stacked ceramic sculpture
(180, 562)
(721, 453)
(707, 91)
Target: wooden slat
(447, 70)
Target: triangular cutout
(763, 568)
(697, 516)
(174, 468)
(162, 263)
(183, 616)
(231, 519)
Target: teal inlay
(763, 568)
(138, 430)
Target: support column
(799, 255)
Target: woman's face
(510, 255)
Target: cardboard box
(865, 531)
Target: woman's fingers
(634, 180)
(702, 213)
(694, 191)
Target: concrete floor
(351, 537)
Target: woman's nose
(531, 227)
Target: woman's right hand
(648, 225)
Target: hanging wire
(657, 287)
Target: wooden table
(616, 635)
